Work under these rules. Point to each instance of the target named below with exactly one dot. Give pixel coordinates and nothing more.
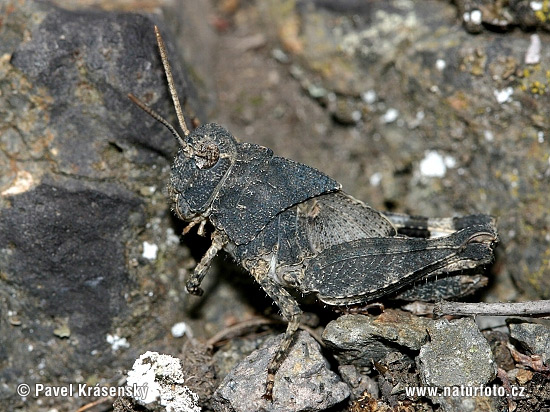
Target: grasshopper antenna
(159, 119)
(170, 80)
(143, 106)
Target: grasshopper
(297, 233)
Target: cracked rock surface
(81, 191)
(303, 383)
(457, 355)
(360, 340)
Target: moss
(543, 15)
(535, 80)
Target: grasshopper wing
(336, 218)
(366, 269)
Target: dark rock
(360, 340)
(80, 193)
(535, 337)
(64, 248)
(397, 373)
(303, 383)
(498, 342)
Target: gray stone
(303, 383)
(457, 355)
(534, 337)
(233, 352)
(360, 340)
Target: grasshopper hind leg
(290, 311)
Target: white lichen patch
(150, 250)
(536, 5)
(435, 165)
(163, 377)
(375, 179)
(387, 31)
(369, 96)
(489, 136)
(179, 329)
(475, 16)
(117, 342)
(504, 95)
(391, 115)
(532, 55)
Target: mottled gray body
(294, 230)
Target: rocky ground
(410, 108)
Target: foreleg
(219, 240)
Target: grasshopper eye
(206, 155)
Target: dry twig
(530, 308)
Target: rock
(303, 383)
(458, 356)
(233, 352)
(158, 383)
(357, 382)
(360, 340)
(75, 155)
(182, 384)
(534, 337)
(397, 374)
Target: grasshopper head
(203, 159)
(199, 169)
